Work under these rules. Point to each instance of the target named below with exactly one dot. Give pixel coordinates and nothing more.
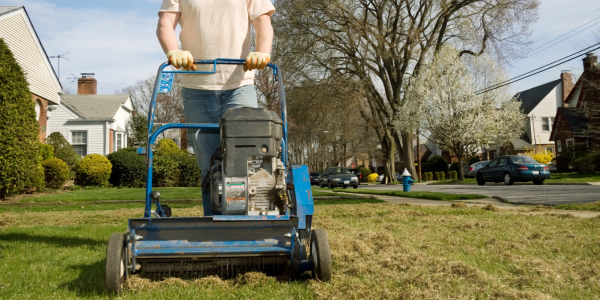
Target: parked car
(314, 178)
(472, 170)
(338, 176)
(380, 178)
(513, 168)
(357, 173)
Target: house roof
(523, 142)
(7, 9)
(95, 107)
(576, 119)
(532, 97)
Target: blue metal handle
(153, 135)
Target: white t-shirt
(217, 29)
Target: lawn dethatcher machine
(263, 206)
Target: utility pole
(63, 56)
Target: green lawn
(420, 195)
(379, 251)
(554, 178)
(593, 206)
(87, 195)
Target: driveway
(522, 194)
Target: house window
(547, 123)
(550, 149)
(558, 146)
(120, 141)
(569, 143)
(79, 142)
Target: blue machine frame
(222, 235)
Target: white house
(539, 104)
(92, 123)
(18, 34)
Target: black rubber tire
(331, 186)
(355, 186)
(321, 185)
(508, 180)
(320, 254)
(538, 181)
(479, 179)
(115, 264)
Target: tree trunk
(408, 153)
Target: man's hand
(256, 60)
(179, 59)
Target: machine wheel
(115, 264)
(508, 179)
(480, 180)
(320, 254)
(355, 186)
(538, 181)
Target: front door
(488, 172)
(498, 170)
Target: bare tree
(383, 43)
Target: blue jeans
(208, 106)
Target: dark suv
(357, 173)
(314, 178)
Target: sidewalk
(526, 210)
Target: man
(215, 29)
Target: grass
(379, 251)
(88, 195)
(593, 206)
(415, 194)
(573, 177)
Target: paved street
(525, 194)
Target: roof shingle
(95, 106)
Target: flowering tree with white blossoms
(446, 104)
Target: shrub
(474, 159)
(454, 166)
(93, 170)
(455, 175)
(19, 162)
(565, 160)
(63, 149)
(372, 177)
(436, 176)
(424, 177)
(174, 167)
(165, 146)
(584, 164)
(56, 173)
(541, 155)
(442, 176)
(436, 164)
(365, 173)
(128, 168)
(45, 152)
(189, 173)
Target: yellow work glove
(179, 58)
(256, 60)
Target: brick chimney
(86, 85)
(567, 86)
(589, 61)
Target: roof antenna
(73, 78)
(63, 56)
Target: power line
(546, 67)
(533, 51)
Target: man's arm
(165, 31)
(263, 41)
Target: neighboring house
(92, 123)
(578, 121)
(18, 33)
(539, 104)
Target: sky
(116, 40)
